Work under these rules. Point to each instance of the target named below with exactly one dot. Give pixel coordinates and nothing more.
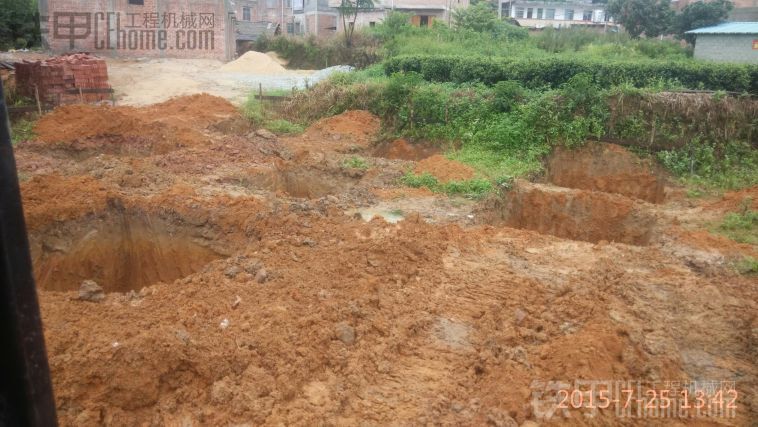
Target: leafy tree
(651, 17)
(479, 17)
(699, 15)
(19, 24)
(349, 10)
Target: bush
(553, 72)
(316, 53)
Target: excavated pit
(590, 216)
(123, 251)
(606, 167)
(301, 182)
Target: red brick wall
(59, 79)
(159, 28)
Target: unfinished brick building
(140, 28)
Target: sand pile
(254, 63)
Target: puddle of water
(369, 213)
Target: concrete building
(728, 42)
(557, 14)
(258, 17)
(321, 17)
(140, 28)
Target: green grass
(355, 162)
(284, 127)
(497, 165)
(740, 227)
(22, 130)
(472, 188)
(747, 265)
(260, 116)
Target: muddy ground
(254, 279)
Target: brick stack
(60, 78)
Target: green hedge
(557, 71)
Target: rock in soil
(91, 291)
(265, 133)
(345, 333)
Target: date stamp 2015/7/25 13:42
(634, 398)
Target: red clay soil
(605, 167)
(444, 169)
(272, 310)
(178, 121)
(342, 133)
(733, 201)
(72, 196)
(403, 150)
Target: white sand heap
(254, 63)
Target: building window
(288, 4)
(372, 24)
(245, 13)
(549, 13)
(587, 16)
(569, 15)
(424, 21)
(505, 9)
(539, 13)
(529, 12)
(270, 4)
(137, 2)
(520, 12)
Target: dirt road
(245, 283)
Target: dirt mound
(179, 121)
(576, 214)
(55, 198)
(444, 169)
(403, 150)
(360, 125)
(605, 167)
(253, 62)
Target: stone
(232, 271)
(345, 333)
(261, 276)
(221, 392)
(265, 133)
(90, 291)
(252, 265)
(519, 315)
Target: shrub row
(554, 72)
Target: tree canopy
(19, 24)
(699, 15)
(649, 17)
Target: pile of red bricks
(65, 79)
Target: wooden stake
(36, 97)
